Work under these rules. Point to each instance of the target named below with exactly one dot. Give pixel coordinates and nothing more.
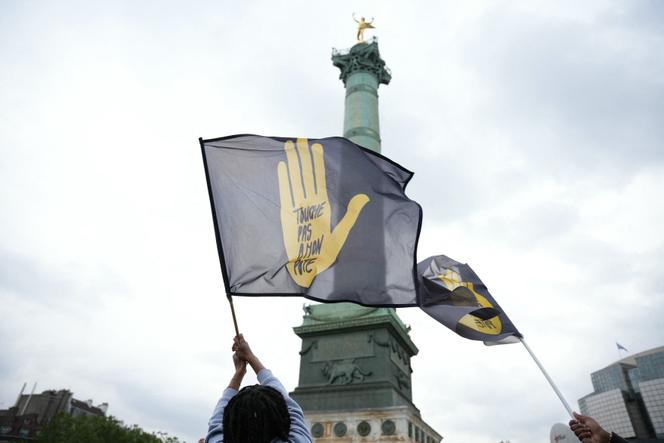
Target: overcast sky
(535, 130)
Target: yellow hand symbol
(311, 245)
(493, 326)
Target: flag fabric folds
(319, 218)
(454, 295)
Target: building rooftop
(631, 359)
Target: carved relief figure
(346, 371)
(402, 379)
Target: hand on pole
(240, 370)
(588, 430)
(244, 352)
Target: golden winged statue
(362, 24)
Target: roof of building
(86, 406)
(631, 360)
(336, 316)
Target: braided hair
(256, 414)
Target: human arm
(215, 425)
(240, 370)
(589, 431)
(244, 352)
(215, 432)
(299, 432)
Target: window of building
(364, 428)
(317, 430)
(340, 429)
(388, 427)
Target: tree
(67, 429)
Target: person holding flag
(260, 413)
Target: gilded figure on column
(362, 24)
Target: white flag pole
(553, 385)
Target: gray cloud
(588, 90)
(38, 282)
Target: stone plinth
(354, 369)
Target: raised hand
(240, 364)
(588, 430)
(241, 348)
(311, 244)
(244, 353)
(240, 369)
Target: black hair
(256, 414)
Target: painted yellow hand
(311, 244)
(493, 326)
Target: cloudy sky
(535, 129)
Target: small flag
(453, 294)
(619, 346)
(319, 218)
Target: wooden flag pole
(230, 300)
(553, 385)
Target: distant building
(629, 396)
(32, 412)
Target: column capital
(363, 57)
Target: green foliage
(67, 429)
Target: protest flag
(453, 294)
(319, 218)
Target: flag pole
(230, 301)
(619, 353)
(546, 375)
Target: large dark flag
(454, 295)
(320, 218)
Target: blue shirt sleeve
(299, 432)
(215, 425)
